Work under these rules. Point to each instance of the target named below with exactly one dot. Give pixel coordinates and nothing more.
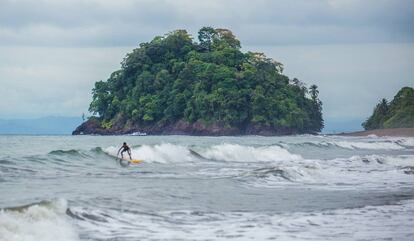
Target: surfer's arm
(117, 154)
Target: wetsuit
(125, 148)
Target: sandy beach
(405, 132)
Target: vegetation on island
(173, 78)
(399, 113)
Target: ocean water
(207, 188)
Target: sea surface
(207, 188)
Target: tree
(314, 92)
(397, 113)
(206, 36)
(315, 110)
(171, 78)
(226, 36)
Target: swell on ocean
(207, 188)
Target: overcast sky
(356, 51)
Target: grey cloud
(76, 13)
(351, 78)
(53, 51)
(39, 81)
(264, 22)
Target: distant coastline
(49, 125)
(396, 132)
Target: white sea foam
(389, 222)
(378, 145)
(163, 153)
(37, 222)
(391, 161)
(369, 171)
(355, 144)
(407, 141)
(239, 153)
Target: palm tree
(314, 92)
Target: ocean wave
(162, 153)
(352, 144)
(382, 222)
(170, 153)
(7, 162)
(354, 172)
(377, 145)
(283, 175)
(79, 153)
(39, 221)
(407, 141)
(280, 173)
(65, 152)
(239, 153)
(57, 164)
(391, 161)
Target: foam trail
(44, 221)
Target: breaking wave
(239, 153)
(265, 166)
(44, 221)
(163, 153)
(170, 153)
(369, 145)
(362, 223)
(364, 171)
(354, 145)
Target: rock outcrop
(123, 127)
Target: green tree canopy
(173, 78)
(398, 113)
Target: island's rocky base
(122, 127)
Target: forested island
(174, 85)
(399, 113)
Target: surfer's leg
(129, 153)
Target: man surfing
(124, 148)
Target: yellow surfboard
(135, 161)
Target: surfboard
(133, 161)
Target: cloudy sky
(356, 51)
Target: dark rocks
(122, 127)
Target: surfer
(124, 148)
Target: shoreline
(394, 132)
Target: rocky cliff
(123, 127)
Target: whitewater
(207, 188)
